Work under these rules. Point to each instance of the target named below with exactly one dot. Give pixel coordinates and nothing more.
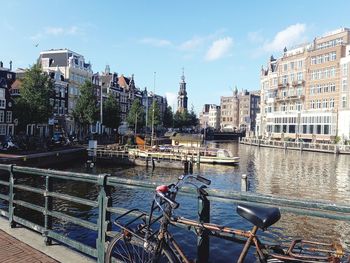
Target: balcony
(290, 98)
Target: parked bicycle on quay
(147, 238)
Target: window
(300, 76)
(2, 129)
(344, 85)
(2, 93)
(333, 56)
(2, 104)
(332, 87)
(331, 103)
(291, 77)
(292, 65)
(2, 116)
(299, 106)
(344, 102)
(326, 57)
(9, 116)
(332, 71)
(285, 67)
(326, 129)
(300, 64)
(345, 69)
(313, 60)
(284, 79)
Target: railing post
(104, 217)
(203, 237)
(12, 193)
(48, 207)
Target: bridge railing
(11, 183)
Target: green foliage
(86, 110)
(136, 115)
(185, 119)
(111, 112)
(168, 118)
(33, 107)
(156, 120)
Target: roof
(16, 84)
(187, 137)
(123, 81)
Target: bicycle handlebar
(203, 180)
(172, 203)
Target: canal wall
(299, 146)
(45, 159)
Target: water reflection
(270, 171)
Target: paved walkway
(13, 250)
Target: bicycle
(143, 244)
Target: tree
(136, 115)
(193, 120)
(168, 118)
(86, 110)
(178, 123)
(156, 120)
(111, 112)
(34, 107)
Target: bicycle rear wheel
(131, 249)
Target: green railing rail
(9, 175)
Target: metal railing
(302, 146)
(10, 175)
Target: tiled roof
(16, 84)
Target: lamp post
(154, 93)
(101, 109)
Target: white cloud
(172, 99)
(219, 49)
(192, 43)
(156, 42)
(57, 31)
(54, 31)
(288, 37)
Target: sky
(220, 44)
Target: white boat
(178, 153)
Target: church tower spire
(182, 95)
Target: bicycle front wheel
(131, 249)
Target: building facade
(210, 117)
(7, 126)
(229, 112)
(248, 109)
(74, 69)
(302, 91)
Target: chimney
(1, 64)
(10, 65)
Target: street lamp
(154, 93)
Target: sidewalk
(22, 245)
(13, 250)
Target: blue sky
(220, 44)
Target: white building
(304, 93)
(74, 69)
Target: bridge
(11, 185)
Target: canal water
(306, 175)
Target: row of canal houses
(68, 70)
